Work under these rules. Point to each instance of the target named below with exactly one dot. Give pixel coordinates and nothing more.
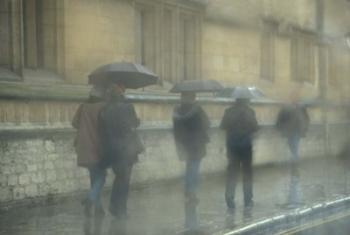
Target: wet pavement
(160, 209)
(335, 226)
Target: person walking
(240, 124)
(293, 121)
(190, 128)
(121, 146)
(88, 148)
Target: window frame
(303, 46)
(268, 54)
(18, 71)
(13, 71)
(170, 73)
(338, 65)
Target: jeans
(192, 176)
(191, 219)
(97, 181)
(293, 143)
(241, 159)
(294, 193)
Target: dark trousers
(120, 189)
(240, 158)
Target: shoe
(231, 211)
(249, 204)
(118, 214)
(191, 198)
(87, 204)
(230, 204)
(194, 232)
(100, 212)
(98, 222)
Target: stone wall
(37, 158)
(41, 164)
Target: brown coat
(87, 142)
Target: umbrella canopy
(312, 102)
(130, 74)
(240, 92)
(196, 86)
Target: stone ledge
(79, 93)
(49, 132)
(29, 91)
(297, 217)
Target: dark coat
(191, 125)
(87, 141)
(117, 123)
(293, 120)
(240, 124)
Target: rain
(174, 117)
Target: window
(29, 33)
(338, 62)
(145, 36)
(168, 39)
(267, 51)
(187, 49)
(303, 57)
(39, 34)
(169, 58)
(10, 62)
(5, 35)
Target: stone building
(48, 47)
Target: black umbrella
(241, 92)
(312, 102)
(130, 74)
(196, 86)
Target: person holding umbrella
(191, 124)
(240, 124)
(293, 121)
(118, 122)
(190, 127)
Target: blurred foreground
(159, 209)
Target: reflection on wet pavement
(161, 209)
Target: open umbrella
(130, 74)
(196, 86)
(241, 92)
(309, 102)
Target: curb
(292, 219)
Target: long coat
(118, 121)
(190, 126)
(87, 141)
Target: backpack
(242, 125)
(117, 130)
